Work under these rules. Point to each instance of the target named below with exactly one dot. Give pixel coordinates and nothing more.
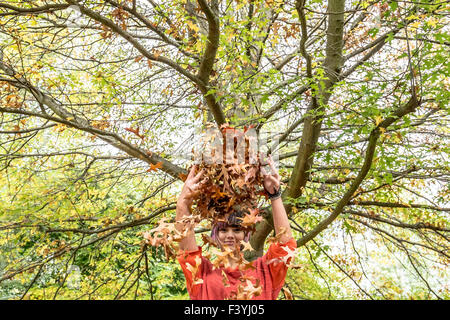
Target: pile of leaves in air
(235, 185)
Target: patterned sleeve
(192, 266)
(278, 257)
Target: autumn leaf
(165, 235)
(197, 281)
(208, 240)
(254, 290)
(157, 53)
(225, 280)
(223, 257)
(136, 132)
(248, 290)
(277, 237)
(154, 167)
(252, 218)
(287, 258)
(182, 176)
(246, 265)
(194, 270)
(247, 246)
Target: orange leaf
(182, 176)
(252, 218)
(135, 131)
(154, 167)
(247, 246)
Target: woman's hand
(280, 220)
(191, 186)
(271, 180)
(190, 190)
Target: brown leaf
(252, 218)
(208, 240)
(247, 246)
(136, 132)
(182, 176)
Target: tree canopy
(103, 101)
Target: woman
(204, 281)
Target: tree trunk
(314, 117)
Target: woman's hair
(234, 220)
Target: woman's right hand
(191, 186)
(190, 189)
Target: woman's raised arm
(190, 189)
(280, 219)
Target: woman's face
(230, 236)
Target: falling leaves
(182, 176)
(208, 240)
(164, 235)
(246, 265)
(130, 92)
(234, 180)
(223, 257)
(247, 290)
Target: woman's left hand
(271, 180)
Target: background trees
(102, 102)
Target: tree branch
(409, 107)
(207, 63)
(124, 34)
(71, 120)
